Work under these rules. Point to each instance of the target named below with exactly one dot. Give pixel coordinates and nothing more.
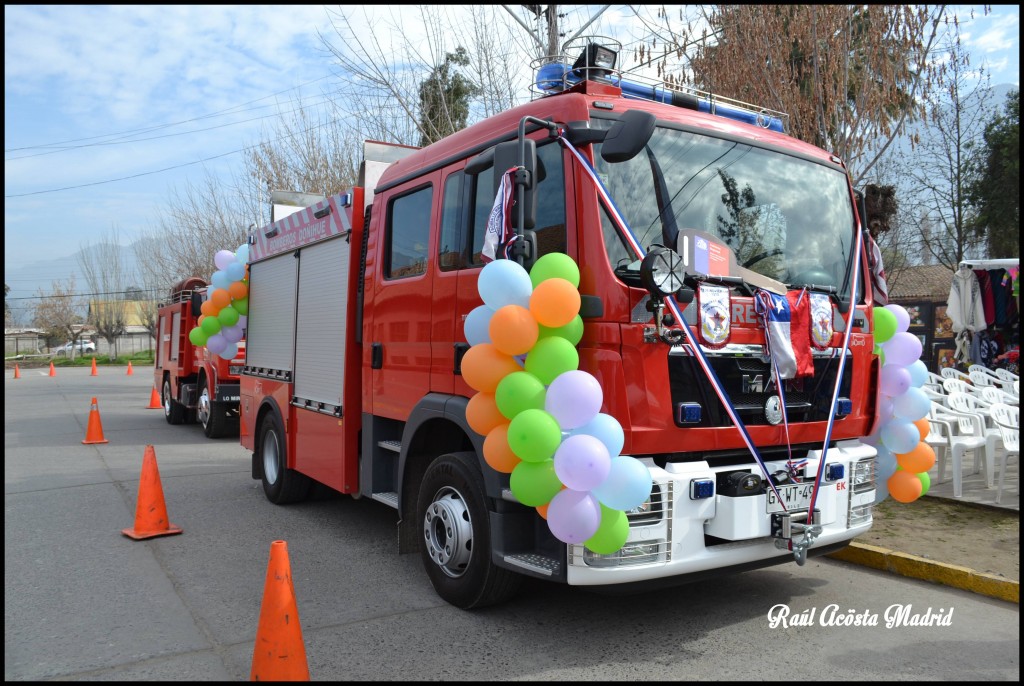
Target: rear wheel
(174, 412)
(452, 515)
(210, 413)
(280, 484)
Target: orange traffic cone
(94, 372)
(94, 431)
(17, 372)
(150, 510)
(279, 654)
(154, 400)
(130, 372)
(53, 372)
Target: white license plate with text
(795, 498)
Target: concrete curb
(915, 567)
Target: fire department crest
(714, 314)
(821, 320)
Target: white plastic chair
(959, 386)
(1008, 420)
(937, 397)
(984, 380)
(967, 405)
(1006, 375)
(951, 373)
(971, 436)
(980, 368)
(992, 395)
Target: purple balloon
(573, 399)
(223, 258)
(902, 316)
(885, 408)
(232, 334)
(893, 380)
(216, 343)
(902, 350)
(582, 462)
(573, 516)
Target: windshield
(781, 216)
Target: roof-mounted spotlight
(595, 61)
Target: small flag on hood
(499, 234)
(787, 337)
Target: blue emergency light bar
(555, 77)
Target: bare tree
(59, 313)
(848, 75)
(152, 285)
(105, 275)
(940, 170)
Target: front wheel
(280, 484)
(211, 414)
(454, 522)
(174, 412)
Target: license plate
(795, 498)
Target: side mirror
(628, 136)
(506, 156)
(197, 304)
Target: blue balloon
(918, 374)
(881, 490)
(628, 484)
(606, 429)
(220, 279)
(235, 272)
(477, 325)
(504, 282)
(242, 254)
(914, 404)
(900, 436)
(885, 464)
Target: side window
(550, 226)
(408, 234)
(452, 249)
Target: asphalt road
(84, 602)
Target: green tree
(444, 98)
(994, 192)
(7, 308)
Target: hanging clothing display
(987, 297)
(966, 310)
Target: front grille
(747, 379)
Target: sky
(110, 110)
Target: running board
(537, 564)
(389, 498)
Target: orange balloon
(482, 413)
(238, 290)
(483, 366)
(918, 460)
(220, 299)
(513, 330)
(497, 452)
(904, 486)
(542, 510)
(555, 302)
(209, 308)
(923, 427)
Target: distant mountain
(27, 280)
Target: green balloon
(926, 482)
(534, 435)
(885, 324)
(241, 306)
(555, 265)
(572, 332)
(228, 316)
(550, 357)
(211, 325)
(519, 391)
(534, 483)
(198, 336)
(611, 534)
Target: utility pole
(552, 13)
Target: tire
(452, 516)
(174, 412)
(280, 484)
(210, 414)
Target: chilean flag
(786, 322)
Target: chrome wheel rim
(448, 532)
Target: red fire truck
(194, 384)
(668, 201)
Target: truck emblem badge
(821, 320)
(773, 410)
(714, 314)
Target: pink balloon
(582, 462)
(573, 516)
(893, 380)
(902, 350)
(573, 399)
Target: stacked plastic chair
(1007, 418)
